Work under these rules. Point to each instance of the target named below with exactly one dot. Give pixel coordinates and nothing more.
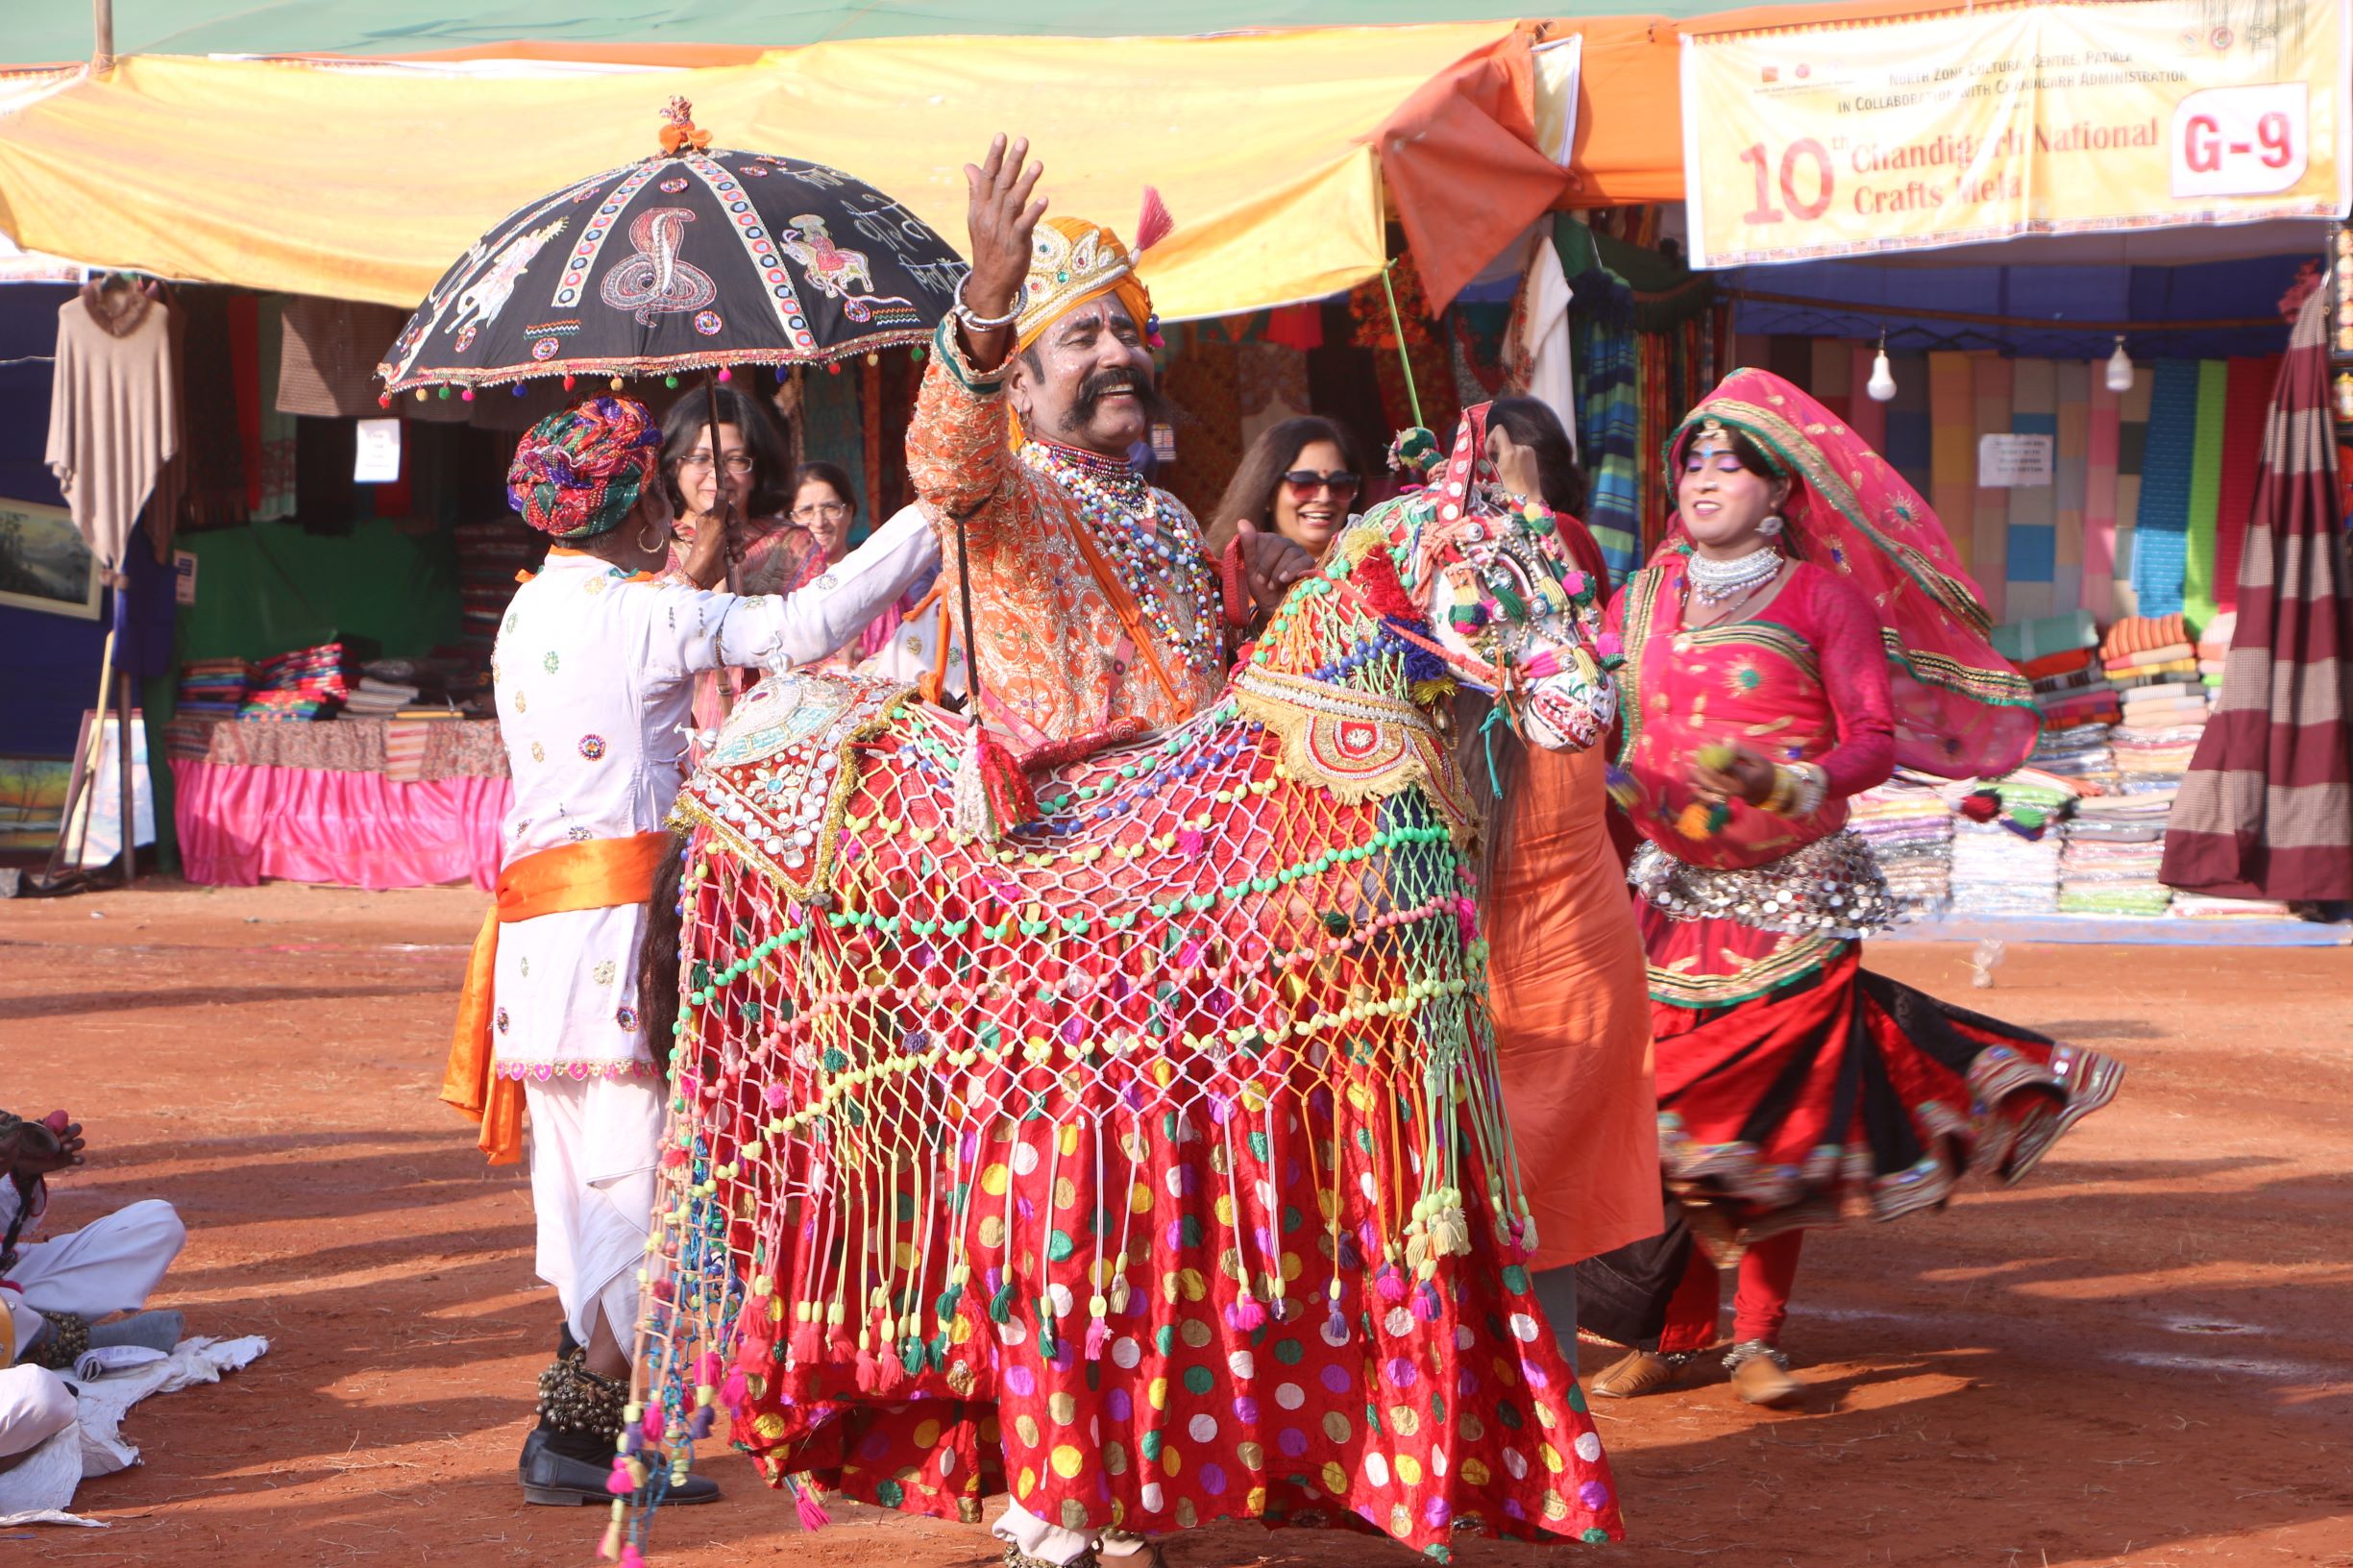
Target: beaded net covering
(1149, 1163)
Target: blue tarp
(1861, 298)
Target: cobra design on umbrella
(656, 281)
(730, 260)
(1116, 1136)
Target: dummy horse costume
(1147, 1161)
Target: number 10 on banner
(1802, 178)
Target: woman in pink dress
(1803, 631)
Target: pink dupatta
(1961, 710)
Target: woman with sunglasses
(1297, 480)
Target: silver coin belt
(1830, 888)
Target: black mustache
(1102, 383)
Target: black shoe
(560, 1480)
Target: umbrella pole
(718, 479)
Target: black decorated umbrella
(693, 259)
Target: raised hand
(1000, 217)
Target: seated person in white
(62, 1295)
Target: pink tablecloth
(239, 825)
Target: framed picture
(43, 563)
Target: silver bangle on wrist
(973, 323)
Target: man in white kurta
(593, 675)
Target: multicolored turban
(578, 472)
(1072, 261)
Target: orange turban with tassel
(1072, 261)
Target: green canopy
(60, 31)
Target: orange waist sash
(601, 873)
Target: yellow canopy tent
(365, 180)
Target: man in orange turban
(1094, 607)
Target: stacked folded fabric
(1996, 872)
(303, 684)
(2202, 906)
(2005, 847)
(2147, 650)
(375, 699)
(2112, 851)
(213, 687)
(2081, 756)
(2213, 646)
(2158, 737)
(1910, 829)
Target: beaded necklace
(1156, 567)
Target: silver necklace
(1716, 581)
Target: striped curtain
(2266, 809)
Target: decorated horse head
(977, 1141)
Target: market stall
(360, 802)
(2045, 260)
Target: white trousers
(1033, 1537)
(109, 1265)
(34, 1406)
(594, 1148)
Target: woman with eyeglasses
(825, 505)
(753, 470)
(1297, 480)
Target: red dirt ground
(2139, 1357)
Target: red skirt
(1796, 1087)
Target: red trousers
(1760, 1298)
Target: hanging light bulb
(2119, 368)
(1882, 384)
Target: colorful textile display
(2246, 405)
(306, 683)
(1609, 409)
(2030, 533)
(1910, 829)
(2132, 464)
(2103, 416)
(2161, 528)
(2264, 811)
(2134, 635)
(213, 687)
(1993, 385)
(1150, 1164)
(2110, 856)
(2205, 492)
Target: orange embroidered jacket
(1064, 648)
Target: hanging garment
(2262, 812)
(326, 366)
(111, 419)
